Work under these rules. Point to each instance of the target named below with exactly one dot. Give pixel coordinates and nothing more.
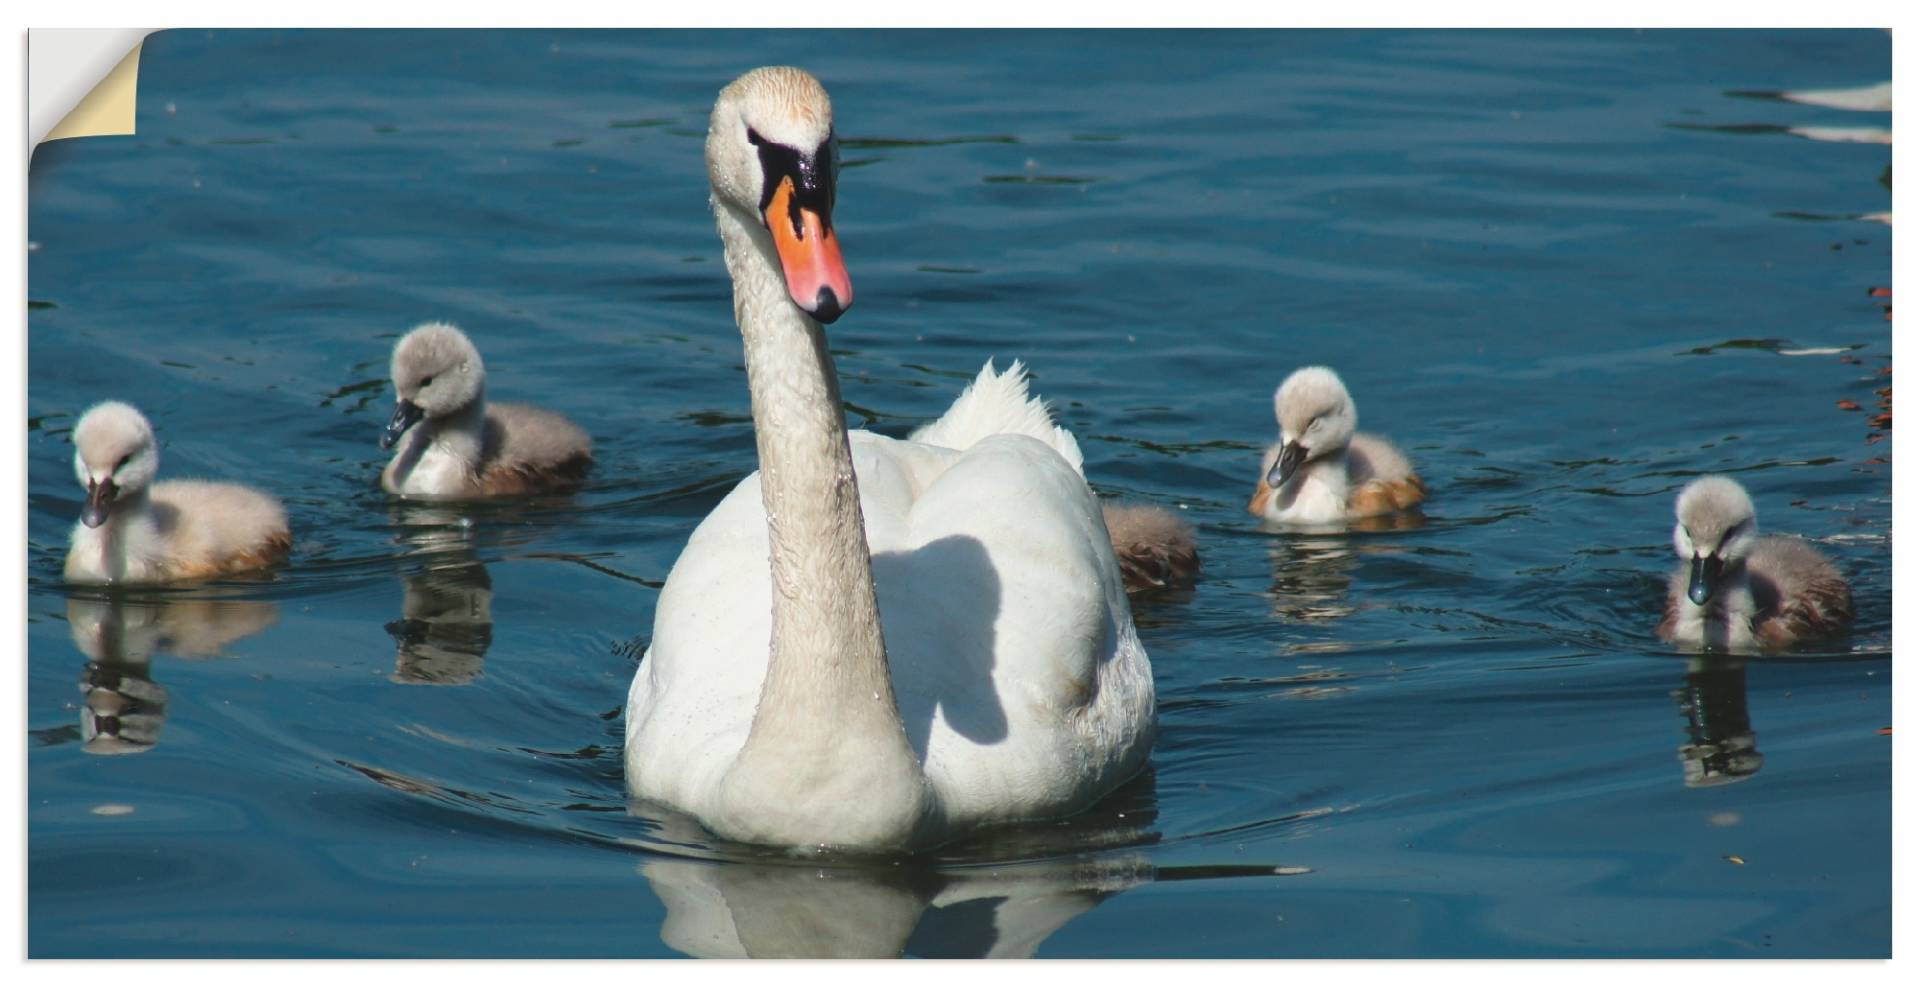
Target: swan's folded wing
(1008, 632)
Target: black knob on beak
(826, 306)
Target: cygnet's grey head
(1316, 418)
(1714, 529)
(114, 457)
(773, 161)
(436, 373)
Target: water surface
(1566, 271)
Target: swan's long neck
(827, 725)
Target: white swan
(890, 661)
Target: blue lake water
(1565, 271)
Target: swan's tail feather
(1155, 547)
(997, 403)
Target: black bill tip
(1289, 462)
(99, 503)
(405, 414)
(1703, 579)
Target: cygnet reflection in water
(446, 622)
(1313, 573)
(122, 708)
(1311, 578)
(1720, 748)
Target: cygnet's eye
(428, 379)
(1313, 424)
(124, 460)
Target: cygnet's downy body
(1322, 471)
(454, 445)
(1156, 548)
(134, 530)
(1740, 591)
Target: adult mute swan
(873, 643)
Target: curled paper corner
(108, 108)
(82, 82)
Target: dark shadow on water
(121, 632)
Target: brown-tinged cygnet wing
(212, 529)
(1382, 479)
(1798, 593)
(532, 450)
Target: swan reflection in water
(953, 903)
(446, 622)
(122, 708)
(1720, 747)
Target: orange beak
(809, 255)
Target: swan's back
(998, 404)
(1153, 547)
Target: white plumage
(1020, 680)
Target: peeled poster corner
(82, 82)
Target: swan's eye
(1313, 424)
(428, 379)
(124, 460)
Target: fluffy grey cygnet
(1322, 471)
(134, 530)
(454, 444)
(1738, 590)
